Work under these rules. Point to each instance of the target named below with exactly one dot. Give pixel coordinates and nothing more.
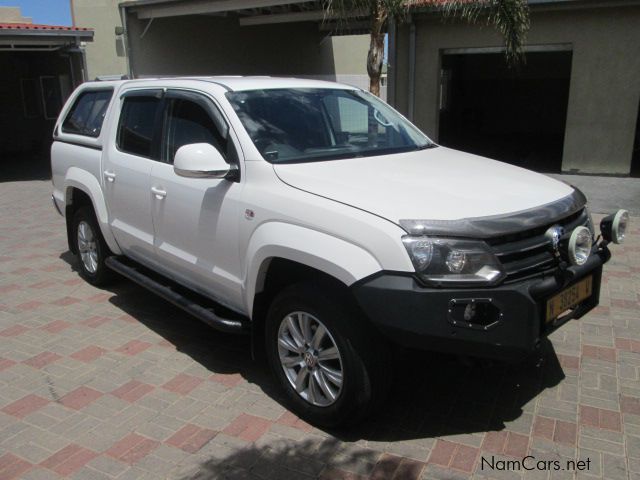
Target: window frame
(74, 105)
(213, 110)
(159, 94)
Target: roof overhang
(264, 12)
(29, 37)
(146, 9)
(247, 12)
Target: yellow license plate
(569, 298)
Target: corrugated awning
(43, 28)
(30, 36)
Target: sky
(51, 12)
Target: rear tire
(335, 380)
(91, 248)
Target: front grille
(527, 254)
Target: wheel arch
(82, 188)
(282, 254)
(277, 273)
(302, 250)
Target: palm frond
(396, 8)
(342, 11)
(509, 17)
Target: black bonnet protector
(498, 225)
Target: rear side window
(137, 125)
(87, 113)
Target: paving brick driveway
(119, 384)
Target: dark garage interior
(513, 114)
(40, 65)
(32, 88)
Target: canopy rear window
(87, 113)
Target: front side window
(87, 113)
(306, 125)
(137, 125)
(187, 122)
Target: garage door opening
(516, 115)
(40, 65)
(32, 88)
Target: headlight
(449, 260)
(580, 244)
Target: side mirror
(200, 160)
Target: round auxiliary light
(580, 244)
(619, 226)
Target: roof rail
(106, 78)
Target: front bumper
(419, 317)
(55, 204)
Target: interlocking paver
(132, 448)
(25, 406)
(116, 383)
(247, 427)
(80, 397)
(69, 459)
(12, 466)
(182, 384)
(191, 438)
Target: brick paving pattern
(118, 384)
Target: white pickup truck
(316, 218)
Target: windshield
(307, 125)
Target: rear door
(196, 219)
(127, 172)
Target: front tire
(91, 248)
(332, 366)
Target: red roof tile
(429, 3)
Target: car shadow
(432, 394)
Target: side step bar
(190, 303)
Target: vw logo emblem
(554, 234)
(309, 359)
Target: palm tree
(509, 17)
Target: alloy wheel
(87, 247)
(310, 358)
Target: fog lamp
(469, 311)
(613, 227)
(478, 313)
(580, 244)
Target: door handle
(110, 176)
(158, 192)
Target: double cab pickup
(317, 219)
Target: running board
(193, 303)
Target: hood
(435, 184)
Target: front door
(196, 219)
(127, 173)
